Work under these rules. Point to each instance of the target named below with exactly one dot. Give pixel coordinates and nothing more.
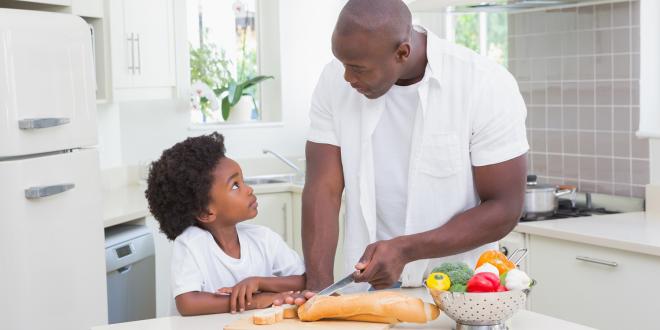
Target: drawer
(596, 286)
(47, 83)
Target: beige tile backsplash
(578, 71)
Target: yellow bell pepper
(438, 281)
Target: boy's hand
(241, 293)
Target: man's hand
(381, 264)
(241, 293)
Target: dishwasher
(131, 277)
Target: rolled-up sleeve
(322, 128)
(498, 120)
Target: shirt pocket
(439, 155)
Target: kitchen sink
(271, 179)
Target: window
(485, 33)
(224, 41)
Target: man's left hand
(381, 264)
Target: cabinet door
(163, 252)
(152, 26)
(275, 212)
(142, 43)
(600, 287)
(122, 45)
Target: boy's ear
(207, 216)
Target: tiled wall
(578, 70)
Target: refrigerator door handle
(45, 191)
(35, 123)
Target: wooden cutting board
(296, 324)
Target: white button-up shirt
(472, 114)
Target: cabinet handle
(286, 224)
(45, 191)
(139, 55)
(36, 123)
(597, 261)
(131, 65)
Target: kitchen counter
(123, 204)
(634, 231)
(521, 320)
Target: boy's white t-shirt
(199, 264)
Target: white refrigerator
(52, 266)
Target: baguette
(381, 306)
(268, 316)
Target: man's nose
(250, 190)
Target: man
(426, 138)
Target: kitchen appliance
(52, 274)
(567, 209)
(542, 200)
(131, 274)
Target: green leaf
(253, 81)
(225, 108)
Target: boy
(219, 264)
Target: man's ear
(403, 52)
(207, 216)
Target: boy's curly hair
(180, 181)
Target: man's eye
(234, 186)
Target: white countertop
(634, 231)
(123, 204)
(521, 320)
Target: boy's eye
(234, 186)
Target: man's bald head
(389, 20)
(373, 40)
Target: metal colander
(479, 309)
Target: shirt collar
(433, 54)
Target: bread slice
(268, 316)
(290, 311)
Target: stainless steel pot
(542, 200)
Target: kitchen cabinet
(163, 255)
(276, 213)
(142, 48)
(596, 286)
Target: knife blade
(337, 286)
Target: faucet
(286, 161)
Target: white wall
(138, 131)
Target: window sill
(226, 126)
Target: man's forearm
(320, 232)
(485, 223)
(282, 283)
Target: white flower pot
(242, 111)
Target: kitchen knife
(337, 286)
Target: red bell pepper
(483, 282)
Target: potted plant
(209, 66)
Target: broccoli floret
(458, 288)
(458, 272)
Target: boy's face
(232, 200)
